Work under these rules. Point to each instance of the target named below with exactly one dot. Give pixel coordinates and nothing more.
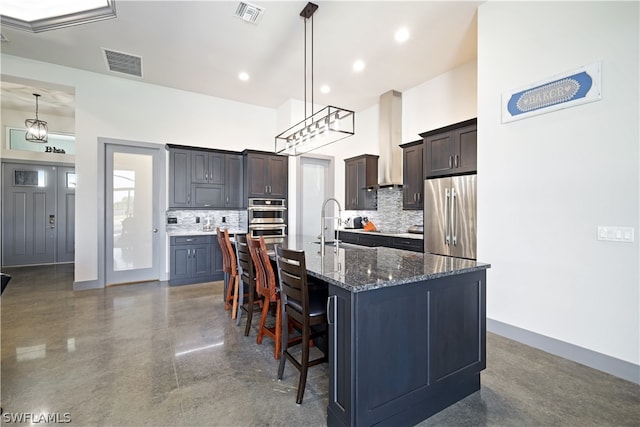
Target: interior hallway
(149, 354)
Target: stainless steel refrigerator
(450, 216)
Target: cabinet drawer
(373, 240)
(192, 240)
(416, 245)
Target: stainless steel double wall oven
(268, 218)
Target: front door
(131, 231)
(28, 214)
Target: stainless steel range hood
(389, 140)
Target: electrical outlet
(197, 220)
(224, 219)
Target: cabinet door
(277, 176)
(179, 178)
(467, 144)
(413, 177)
(351, 186)
(207, 196)
(216, 267)
(180, 257)
(234, 182)
(256, 175)
(439, 154)
(365, 198)
(341, 381)
(217, 168)
(199, 167)
(201, 260)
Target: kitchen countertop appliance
(353, 223)
(450, 219)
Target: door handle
(457, 160)
(332, 320)
(450, 162)
(155, 230)
(447, 206)
(453, 217)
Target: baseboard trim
(611, 365)
(87, 284)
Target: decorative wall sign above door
(565, 90)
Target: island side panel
(341, 390)
(415, 349)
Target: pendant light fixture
(37, 130)
(321, 128)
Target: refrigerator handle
(453, 217)
(447, 206)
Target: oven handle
(267, 208)
(267, 226)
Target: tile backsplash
(186, 220)
(390, 217)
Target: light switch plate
(616, 234)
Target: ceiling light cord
(305, 68)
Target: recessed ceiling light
(358, 66)
(325, 89)
(243, 76)
(402, 35)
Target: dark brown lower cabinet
(194, 259)
(400, 354)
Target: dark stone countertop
(358, 268)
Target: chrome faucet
(323, 227)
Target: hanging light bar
(37, 130)
(321, 128)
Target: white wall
(126, 109)
(447, 99)
(545, 183)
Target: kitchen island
(407, 331)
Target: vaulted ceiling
(201, 46)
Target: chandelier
(37, 130)
(321, 128)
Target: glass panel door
(130, 231)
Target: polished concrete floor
(149, 354)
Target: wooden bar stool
(304, 304)
(267, 287)
(246, 272)
(225, 266)
(231, 300)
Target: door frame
(330, 187)
(159, 209)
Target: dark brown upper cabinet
(267, 175)
(412, 175)
(451, 150)
(361, 173)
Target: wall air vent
(249, 12)
(124, 63)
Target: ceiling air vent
(249, 12)
(124, 63)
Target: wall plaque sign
(561, 91)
